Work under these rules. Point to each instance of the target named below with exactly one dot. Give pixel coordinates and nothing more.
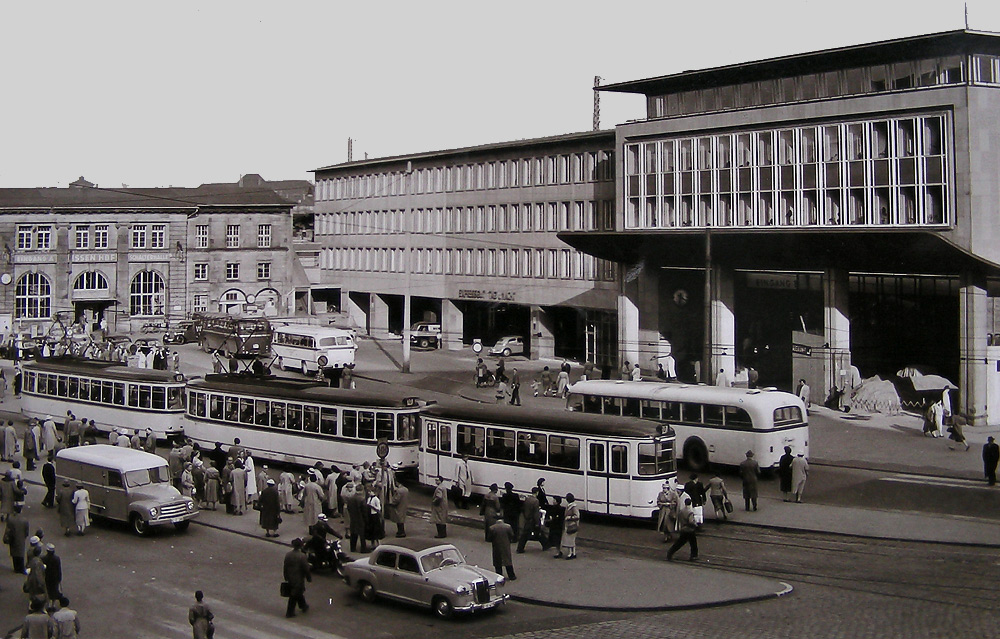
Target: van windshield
(146, 476)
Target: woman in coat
(490, 509)
(312, 501)
(9, 444)
(571, 526)
(399, 504)
(285, 493)
(212, 483)
(270, 509)
(785, 474)
(439, 508)
(238, 480)
(67, 511)
(30, 448)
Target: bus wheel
(696, 455)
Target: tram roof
(672, 391)
(562, 421)
(104, 369)
(273, 387)
(124, 459)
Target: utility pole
(350, 149)
(597, 103)
(707, 371)
(407, 258)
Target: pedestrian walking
(991, 456)
(357, 516)
(53, 573)
(502, 391)
(510, 505)
(571, 527)
(501, 536)
(312, 500)
(515, 388)
(270, 509)
(717, 493)
(296, 573)
(666, 503)
(49, 478)
(201, 618)
(687, 532)
(399, 504)
(785, 474)
(489, 509)
(800, 470)
(463, 482)
(34, 583)
(50, 438)
(956, 433)
(66, 621)
(81, 506)
(696, 491)
(286, 481)
(7, 488)
(554, 518)
(439, 508)
(65, 507)
(562, 383)
(532, 525)
(375, 525)
(18, 377)
(9, 443)
(545, 381)
(749, 472)
(15, 535)
(37, 624)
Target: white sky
(180, 93)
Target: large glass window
(33, 297)
(146, 294)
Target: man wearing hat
(16, 533)
(317, 538)
(149, 443)
(749, 472)
(991, 456)
(296, 573)
(510, 504)
(270, 508)
(53, 573)
(64, 503)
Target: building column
(452, 322)
(836, 330)
(723, 324)
(543, 339)
(379, 310)
(628, 326)
(973, 332)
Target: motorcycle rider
(317, 541)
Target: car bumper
(489, 605)
(167, 521)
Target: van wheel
(181, 526)
(424, 342)
(696, 455)
(139, 525)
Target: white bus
(713, 424)
(310, 348)
(302, 422)
(110, 393)
(612, 465)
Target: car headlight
(153, 512)
(500, 581)
(190, 505)
(462, 589)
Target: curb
(787, 589)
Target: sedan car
(425, 335)
(509, 345)
(181, 333)
(428, 573)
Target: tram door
(608, 485)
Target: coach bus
(713, 424)
(233, 336)
(302, 422)
(612, 465)
(110, 393)
(311, 348)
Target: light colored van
(311, 348)
(126, 485)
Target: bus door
(436, 443)
(597, 477)
(608, 480)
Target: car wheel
(139, 525)
(696, 455)
(442, 607)
(506, 352)
(305, 369)
(367, 591)
(424, 343)
(181, 526)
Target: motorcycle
(330, 558)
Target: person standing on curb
(489, 509)
(200, 617)
(556, 514)
(991, 456)
(296, 573)
(439, 509)
(510, 505)
(719, 496)
(571, 527)
(270, 509)
(67, 622)
(666, 502)
(688, 532)
(399, 504)
(463, 482)
(749, 472)
(67, 512)
(800, 470)
(49, 478)
(501, 536)
(785, 474)
(532, 522)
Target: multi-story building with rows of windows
(132, 256)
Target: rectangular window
(201, 236)
(470, 440)
(102, 234)
(201, 271)
(82, 237)
(158, 236)
(232, 271)
(263, 270)
(200, 303)
(24, 237)
(564, 452)
(139, 236)
(619, 459)
(232, 236)
(531, 448)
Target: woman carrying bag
(571, 526)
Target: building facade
(132, 256)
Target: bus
(713, 424)
(311, 348)
(302, 422)
(110, 393)
(233, 336)
(612, 465)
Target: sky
(156, 94)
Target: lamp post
(408, 185)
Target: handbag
(8, 536)
(572, 527)
(729, 505)
(699, 514)
(286, 589)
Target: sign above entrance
(784, 281)
(484, 294)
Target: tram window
(278, 414)
(29, 382)
(232, 409)
(691, 413)
(133, 395)
(671, 411)
(384, 426)
(328, 421)
(444, 439)
(432, 435)
(366, 424)
(787, 415)
(119, 393)
(199, 404)
(215, 407)
(406, 427)
(63, 386)
(84, 389)
(650, 409)
(262, 412)
(246, 410)
(656, 458)
(51, 385)
(597, 458)
(74, 388)
(160, 397)
(737, 417)
(713, 414)
(619, 459)
(146, 397)
(500, 443)
(470, 440)
(310, 419)
(531, 448)
(294, 417)
(350, 423)
(175, 397)
(107, 392)
(564, 452)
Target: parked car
(428, 573)
(425, 335)
(509, 345)
(181, 333)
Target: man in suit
(296, 573)
(532, 522)
(501, 535)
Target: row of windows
(369, 425)
(33, 293)
(565, 264)
(682, 412)
(202, 240)
(587, 215)
(232, 271)
(876, 172)
(574, 168)
(112, 393)
(877, 78)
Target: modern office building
(845, 203)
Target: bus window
(500, 444)
(328, 421)
(278, 415)
(246, 410)
(444, 440)
(310, 419)
(366, 424)
(470, 440)
(350, 423)
(619, 459)
(787, 415)
(650, 409)
(262, 412)
(432, 435)
(531, 448)
(713, 414)
(671, 411)
(564, 452)
(294, 417)
(384, 426)
(738, 418)
(656, 458)
(597, 458)
(406, 427)
(691, 413)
